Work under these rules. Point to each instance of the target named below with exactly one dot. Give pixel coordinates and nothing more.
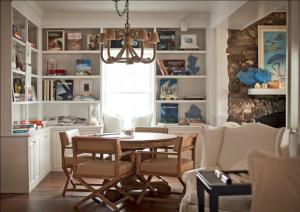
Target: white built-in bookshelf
(193, 85)
(25, 69)
(187, 85)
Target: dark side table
(209, 182)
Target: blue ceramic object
(254, 75)
(192, 61)
(194, 112)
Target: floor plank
(46, 197)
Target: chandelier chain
(125, 10)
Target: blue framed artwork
(272, 51)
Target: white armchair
(226, 148)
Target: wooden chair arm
(155, 153)
(125, 153)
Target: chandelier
(128, 54)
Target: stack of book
(23, 128)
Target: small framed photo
(31, 94)
(189, 41)
(86, 87)
(55, 40)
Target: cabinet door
(31, 161)
(42, 153)
(47, 154)
(36, 157)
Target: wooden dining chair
(111, 171)
(67, 159)
(171, 167)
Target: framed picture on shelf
(86, 87)
(93, 41)
(55, 40)
(20, 61)
(74, 41)
(51, 64)
(272, 51)
(83, 67)
(189, 41)
(64, 90)
(31, 93)
(167, 40)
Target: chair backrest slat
(88, 144)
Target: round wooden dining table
(140, 140)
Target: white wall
(97, 19)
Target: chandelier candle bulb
(102, 39)
(154, 38)
(143, 35)
(110, 34)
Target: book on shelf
(23, 128)
(168, 88)
(74, 40)
(83, 67)
(174, 65)
(181, 72)
(49, 90)
(93, 41)
(159, 68)
(167, 40)
(55, 40)
(169, 113)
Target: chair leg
(147, 185)
(184, 188)
(67, 182)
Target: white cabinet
(25, 161)
(56, 145)
(38, 157)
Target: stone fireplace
(243, 53)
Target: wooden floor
(46, 197)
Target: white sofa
(226, 148)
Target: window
(128, 89)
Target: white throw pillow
(239, 141)
(143, 121)
(275, 182)
(112, 124)
(211, 138)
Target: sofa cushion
(237, 142)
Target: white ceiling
(134, 6)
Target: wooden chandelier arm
(102, 56)
(148, 60)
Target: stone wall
(243, 53)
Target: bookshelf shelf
(73, 77)
(72, 102)
(34, 50)
(182, 77)
(73, 52)
(17, 71)
(181, 51)
(25, 102)
(181, 101)
(18, 42)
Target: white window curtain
(128, 90)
